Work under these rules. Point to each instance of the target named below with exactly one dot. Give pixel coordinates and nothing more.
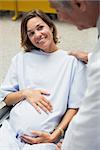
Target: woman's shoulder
(18, 55)
(67, 56)
(73, 60)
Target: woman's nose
(37, 34)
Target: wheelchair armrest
(4, 112)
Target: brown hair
(25, 41)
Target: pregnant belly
(24, 117)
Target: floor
(70, 39)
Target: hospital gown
(63, 76)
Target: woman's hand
(39, 137)
(59, 145)
(37, 100)
(83, 56)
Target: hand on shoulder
(81, 55)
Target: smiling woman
(46, 85)
(40, 34)
(37, 22)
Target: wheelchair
(4, 112)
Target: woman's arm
(63, 124)
(34, 97)
(44, 137)
(11, 94)
(13, 98)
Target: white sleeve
(10, 83)
(84, 130)
(89, 55)
(78, 85)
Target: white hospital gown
(60, 74)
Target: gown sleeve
(78, 84)
(10, 83)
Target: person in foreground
(45, 86)
(84, 130)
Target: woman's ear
(80, 4)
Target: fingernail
(46, 94)
(39, 112)
(51, 110)
(47, 112)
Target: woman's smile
(41, 40)
(40, 34)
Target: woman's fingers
(36, 107)
(44, 92)
(37, 99)
(31, 140)
(37, 133)
(45, 103)
(59, 145)
(42, 107)
(37, 137)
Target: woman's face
(40, 35)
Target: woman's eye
(40, 27)
(31, 34)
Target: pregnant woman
(45, 86)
